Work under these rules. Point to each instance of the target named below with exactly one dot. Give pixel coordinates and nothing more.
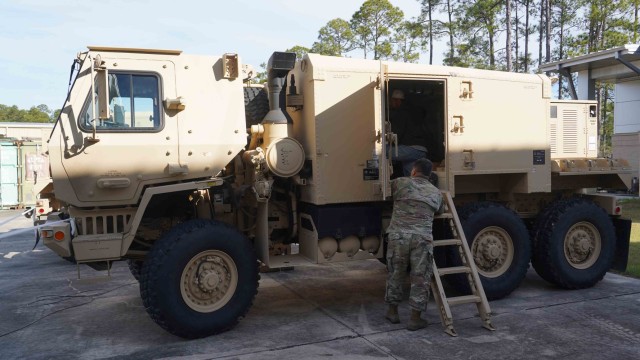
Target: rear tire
(199, 279)
(575, 244)
(500, 246)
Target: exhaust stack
(277, 69)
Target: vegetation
(37, 114)
(631, 209)
(488, 34)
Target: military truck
(155, 160)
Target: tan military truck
(154, 160)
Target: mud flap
(623, 235)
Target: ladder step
(454, 270)
(444, 216)
(447, 242)
(466, 299)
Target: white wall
(627, 107)
(627, 146)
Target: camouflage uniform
(411, 240)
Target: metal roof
(26, 125)
(134, 50)
(612, 64)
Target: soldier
(416, 201)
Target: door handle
(458, 126)
(113, 183)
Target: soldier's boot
(392, 314)
(416, 322)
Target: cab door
(136, 145)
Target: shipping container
(24, 171)
(8, 174)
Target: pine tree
(335, 38)
(373, 26)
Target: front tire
(574, 245)
(199, 279)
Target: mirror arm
(93, 104)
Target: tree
(562, 21)
(547, 21)
(526, 60)
(508, 41)
(449, 27)
(34, 114)
(407, 42)
(11, 113)
(261, 76)
(44, 108)
(516, 27)
(431, 26)
(373, 26)
(300, 51)
(634, 28)
(335, 38)
(541, 28)
(479, 26)
(54, 115)
(40, 113)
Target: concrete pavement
(318, 312)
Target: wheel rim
(582, 245)
(492, 250)
(209, 281)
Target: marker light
(59, 236)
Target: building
(26, 131)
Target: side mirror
(102, 82)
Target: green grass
(631, 209)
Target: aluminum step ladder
(468, 268)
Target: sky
(40, 38)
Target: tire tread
(161, 250)
(545, 247)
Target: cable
(93, 297)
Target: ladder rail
(467, 251)
(443, 306)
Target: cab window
(134, 103)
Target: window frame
(161, 114)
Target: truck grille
(102, 222)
